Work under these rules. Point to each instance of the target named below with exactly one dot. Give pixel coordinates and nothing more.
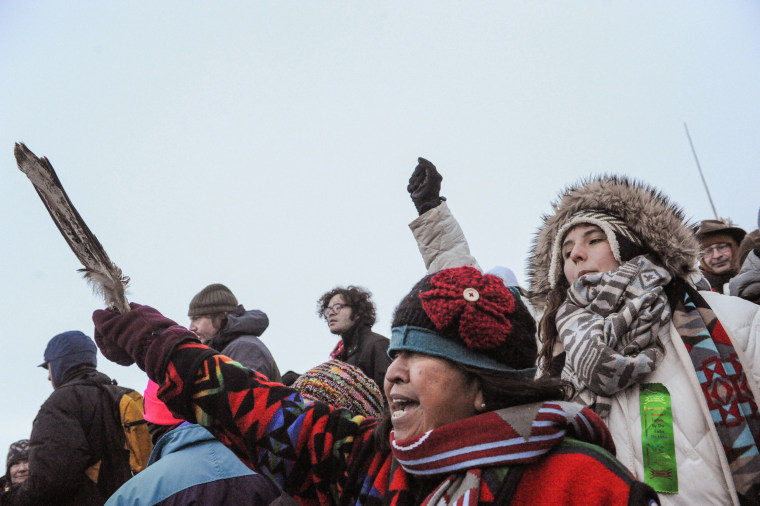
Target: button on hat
(469, 318)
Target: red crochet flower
(480, 304)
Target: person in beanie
(223, 324)
(719, 257)
(73, 436)
(17, 462)
(350, 314)
(671, 366)
(16, 469)
(189, 466)
(342, 385)
(468, 423)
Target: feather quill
(105, 277)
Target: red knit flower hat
(467, 317)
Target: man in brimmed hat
(719, 256)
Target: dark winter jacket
(6, 491)
(189, 466)
(366, 350)
(239, 341)
(69, 435)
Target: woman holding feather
(468, 424)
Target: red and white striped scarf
(516, 435)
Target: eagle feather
(106, 279)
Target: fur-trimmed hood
(648, 213)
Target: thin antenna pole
(700, 171)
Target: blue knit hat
(67, 350)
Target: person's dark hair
(157, 431)
(357, 298)
(218, 320)
(547, 327)
(501, 392)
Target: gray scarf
(609, 325)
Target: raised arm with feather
(103, 275)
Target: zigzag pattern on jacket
(724, 384)
(321, 455)
(279, 444)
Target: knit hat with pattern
(342, 385)
(17, 452)
(215, 298)
(469, 318)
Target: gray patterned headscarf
(609, 326)
(611, 225)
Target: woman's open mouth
(400, 406)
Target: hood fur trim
(647, 212)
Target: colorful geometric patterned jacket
(323, 455)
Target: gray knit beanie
(215, 298)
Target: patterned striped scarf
(725, 387)
(609, 325)
(517, 435)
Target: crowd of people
(627, 371)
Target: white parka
(703, 473)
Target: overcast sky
(267, 145)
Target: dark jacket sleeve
(59, 452)
(379, 361)
(252, 353)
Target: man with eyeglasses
(350, 314)
(718, 259)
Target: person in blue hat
(72, 438)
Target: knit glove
(142, 335)
(424, 186)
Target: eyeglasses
(335, 308)
(719, 247)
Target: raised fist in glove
(425, 186)
(142, 335)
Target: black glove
(424, 187)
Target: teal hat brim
(422, 340)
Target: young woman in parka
(613, 269)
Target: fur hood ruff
(648, 213)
